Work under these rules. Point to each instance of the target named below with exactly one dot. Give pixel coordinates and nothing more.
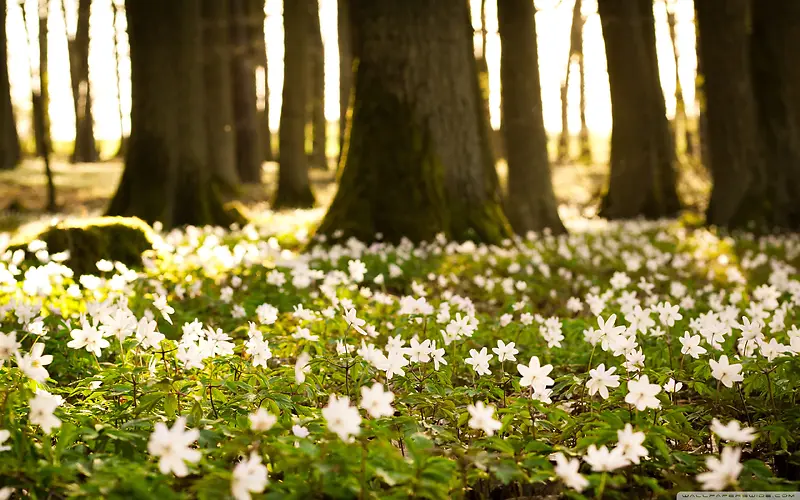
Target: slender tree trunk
(681, 120)
(294, 189)
(167, 177)
(317, 91)
(221, 138)
(775, 76)
(84, 149)
(245, 108)
(531, 203)
(738, 196)
(483, 78)
(345, 72)
(9, 140)
(123, 140)
(575, 41)
(584, 143)
(642, 178)
(418, 160)
(41, 107)
(260, 55)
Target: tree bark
(245, 109)
(775, 78)
(738, 196)
(418, 160)
(530, 203)
(642, 177)
(294, 189)
(84, 149)
(317, 91)
(218, 91)
(167, 177)
(9, 140)
(345, 72)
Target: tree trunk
(245, 108)
(167, 177)
(775, 77)
(642, 177)
(41, 107)
(123, 140)
(530, 204)
(345, 72)
(418, 160)
(294, 189)
(575, 41)
(84, 149)
(738, 196)
(260, 56)
(483, 79)
(584, 143)
(218, 91)
(681, 120)
(317, 91)
(9, 140)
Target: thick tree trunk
(775, 77)
(642, 177)
(418, 160)
(245, 108)
(166, 176)
(84, 149)
(294, 189)
(345, 72)
(738, 196)
(530, 203)
(317, 91)
(218, 92)
(9, 140)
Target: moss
(122, 239)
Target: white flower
(120, 324)
(438, 356)
(267, 313)
(535, 375)
(631, 444)
(160, 303)
(691, 345)
(262, 420)
(301, 367)
(376, 401)
(481, 417)
(479, 361)
(725, 372)
(642, 394)
(602, 460)
(4, 435)
(171, 445)
(395, 362)
(88, 337)
(567, 471)
(300, 431)
(419, 352)
(601, 379)
(342, 418)
(43, 405)
(353, 321)
(249, 476)
(33, 364)
(672, 386)
(723, 471)
(607, 326)
(147, 333)
(505, 351)
(733, 431)
(8, 346)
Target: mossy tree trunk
(642, 171)
(220, 130)
(294, 189)
(245, 102)
(167, 177)
(9, 140)
(418, 160)
(317, 90)
(775, 77)
(530, 202)
(345, 70)
(85, 148)
(739, 193)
